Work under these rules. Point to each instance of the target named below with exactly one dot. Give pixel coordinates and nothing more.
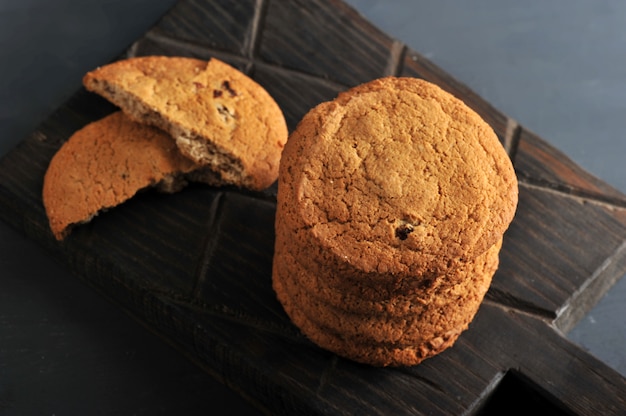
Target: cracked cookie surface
(396, 175)
(391, 208)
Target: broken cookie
(218, 116)
(106, 163)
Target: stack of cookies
(392, 203)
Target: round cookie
(357, 347)
(218, 116)
(405, 324)
(366, 298)
(376, 287)
(396, 177)
(398, 324)
(104, 164)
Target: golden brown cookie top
(216, 114)
(104, 164)
(397, 176)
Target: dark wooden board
(195, 267)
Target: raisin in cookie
(403, 329)
(391, 208)
(396, 176)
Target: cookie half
(218, 116)
(106, 163)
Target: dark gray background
(556, 66)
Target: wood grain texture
(226, 25)
(326, 39)
(416, 65)
(567, 250)
(539, 163)
(195, 267)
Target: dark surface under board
(195, 267)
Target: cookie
(218, 116)
(106, 163)
(366, 297)
(379, 355)
(399, 323)
(396, 176)
(371, 286)
(377, 339)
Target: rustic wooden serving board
(195, 267)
